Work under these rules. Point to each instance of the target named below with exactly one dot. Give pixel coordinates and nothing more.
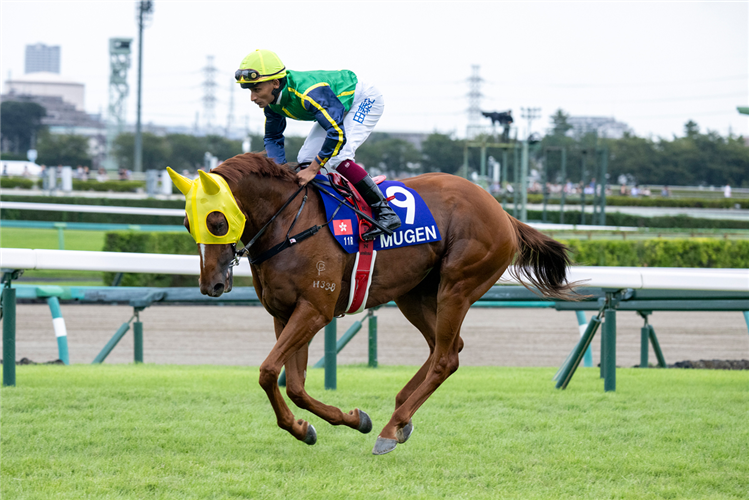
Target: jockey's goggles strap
(253, 75)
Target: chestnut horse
(433, 284)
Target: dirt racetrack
(243, 335)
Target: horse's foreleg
(296, 371)
(304, 323)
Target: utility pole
(145, 9)
(530, 114)
(474, 103)
(230, 115)
(209, 96)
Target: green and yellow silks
(209, 193)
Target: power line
(530, 114)
(209, 96)
(230, 115)
(605, 85)
(474, 102)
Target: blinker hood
(209, 193)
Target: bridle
(292, 240)
(238, 254)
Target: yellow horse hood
(209, 193)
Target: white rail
(606, 277)
(178, 212)
(61, 207)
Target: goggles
(254, 76)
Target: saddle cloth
(417, 222)
(417, 226)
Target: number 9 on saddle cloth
(418, 225)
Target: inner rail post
(9, 335)
(330, 355)
(609, 338)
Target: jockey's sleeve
(275, 125)
(328, 111)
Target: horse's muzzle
(216, 288)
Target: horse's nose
(218, 289)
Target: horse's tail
(543, 262)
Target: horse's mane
(236, 168)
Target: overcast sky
(652, 65)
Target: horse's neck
(261, 198)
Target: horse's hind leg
(441, 364)
(296, 371)
(419, 306)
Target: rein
(244, 251)
(292, 240)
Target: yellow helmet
(260, 66)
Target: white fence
(61, 207)
(735, 280)
(177, 212)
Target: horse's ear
(210, 185)
(183, 183)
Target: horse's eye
(216, 223)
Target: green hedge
(16, 182)
(168, 243)
(693, 252)
(116, 186)
(628, 201)
(621, 219)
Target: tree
(441, 153)
(633, 156)
(20, 123)
(691, 130)
(383, 153)
(560, 123)
(156, 151)
(63, 149)
(187, 152)
(397, 155)
(221, 147)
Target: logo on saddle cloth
(417, 222)
(204, 195)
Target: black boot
(384, 215)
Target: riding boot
(384, 215)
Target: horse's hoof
(383, 445)
(365, 423)
(311, 437)
(403, 434)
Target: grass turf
(47, 239)
(124, 431)
(16, 237)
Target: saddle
(361, 277)
(347, 191)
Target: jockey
(344, 109)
